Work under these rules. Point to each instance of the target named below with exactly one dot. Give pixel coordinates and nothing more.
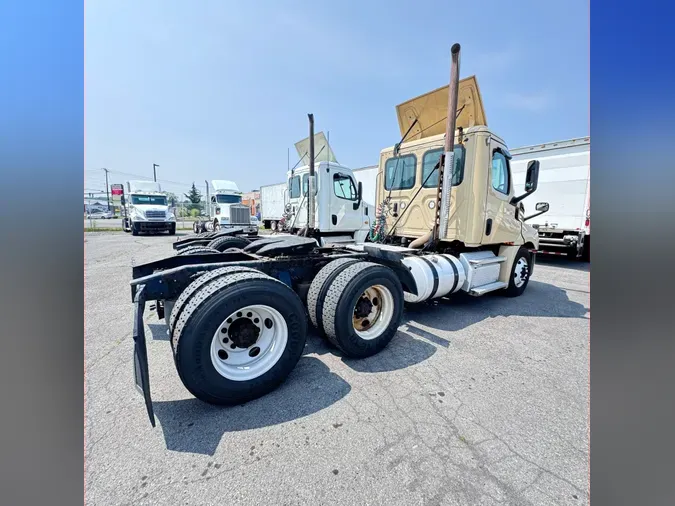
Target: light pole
(107, 189)
(154, 172)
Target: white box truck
(272, 204)
(367, 176)
(564, 182)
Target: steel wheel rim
(373, 324)
(521, 272)
(255, 359)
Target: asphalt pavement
(475, 401)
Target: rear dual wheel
(236, 334)
(356, 305)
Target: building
(252, 199)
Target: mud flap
(141, 373)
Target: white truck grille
(155, 215)
(240, 214)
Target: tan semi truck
(238, 318)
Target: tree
(195, 197)
(172, 199)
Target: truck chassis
(238, 319)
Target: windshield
(154, 200)
(228, 199)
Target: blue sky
(212, 89)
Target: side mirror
(541, 208)
(531, 180)
(359, 194)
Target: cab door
(343, 200)
(502, 221)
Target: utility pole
(107, 189)
(154, 172)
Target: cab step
(476, 262)
(490, 287)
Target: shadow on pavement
(462, 310)
(159, 331)
(563, 263)
(403, 351)
(192, 426)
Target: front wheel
(520, 273)
(135, 229)
(172, 229)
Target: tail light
(588, 217)
(588, 222)
(217, 210)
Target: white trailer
(272, 204)
(564, 182)
(367, 176)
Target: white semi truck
(565, 183)
(146, 209)
(225, 210)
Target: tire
(193, 287)
(172, 229)
(210, 310)
(340, 308)
(319, 287)
(196, 250)
(125, 226)
(134, 229)
(216, 226)
(586, 253)
(273, 226)
(195, 227)
(228, 241)
(516, 283)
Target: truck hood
(322, 151)
(431, 110)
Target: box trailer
(367, 176)
(272, 204)
(564, 182)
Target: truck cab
(146, 209)
(484, 207)
(341, 214)
(226, 208)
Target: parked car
(100, 215)
(255, 221)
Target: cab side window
(344, 187)
(500, 173)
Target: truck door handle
(395, 209)
(488, 226)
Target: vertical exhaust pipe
(446, 166)
(310, 183)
